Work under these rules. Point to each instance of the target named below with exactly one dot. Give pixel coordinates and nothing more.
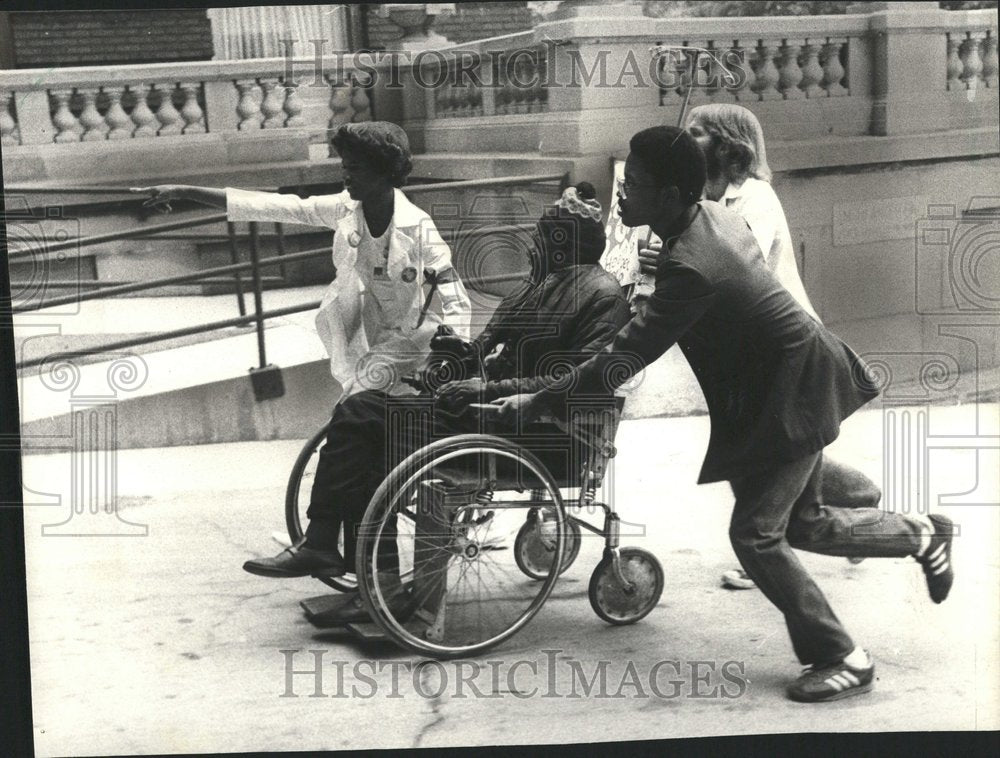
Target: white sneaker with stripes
(818, 685)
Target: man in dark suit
(777, 385)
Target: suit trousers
(780, 508)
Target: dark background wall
(73, 38)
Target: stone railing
(868, 73)
(570, 86)
(173, 100)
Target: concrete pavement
(161, 643)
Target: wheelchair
(464, 540)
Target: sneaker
(738, 579)
(819, 684)
(936, 561)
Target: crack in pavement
(437, 716)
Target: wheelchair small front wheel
(535, 547)
(625, 604)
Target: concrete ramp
(186, 395)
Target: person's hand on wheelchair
(446, 342)
(515, 410)
(649, 257)
(455, 395)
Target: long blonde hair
(740, 135)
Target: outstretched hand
(159, 195)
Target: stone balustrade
(568, 87)
(169, 100)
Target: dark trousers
(364, 443)
(846, 487)
(781, 508)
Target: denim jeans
(781, 508)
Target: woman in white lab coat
(383, 247)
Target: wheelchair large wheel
(297, 502)
(430, 573)
(625, 604)
(535, 546)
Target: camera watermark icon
(87, 413)
(553, 675)
(494, 244)
(43, 255)
(919, 449)
(958, 259)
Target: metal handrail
(254, 265)
(174, 333)
(149, 284)
(214, 218)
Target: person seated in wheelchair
(570, 309)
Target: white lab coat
(755, 200)
(368, 324)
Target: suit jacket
(776, 382)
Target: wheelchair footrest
(316, 608)
(368, 631)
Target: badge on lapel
(409, 274)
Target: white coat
(368, 324)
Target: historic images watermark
(310, 673)
(957, 295)
(665, 67)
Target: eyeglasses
(625, 186)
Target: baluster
(681, 62)
(143, 118)
(464, 94)
(191, 112)
(442, 100)
(954, 64)
(501, 97)
(791, 74)
(767, 73)
(248, 108)
(711, 84)
(120, 126)
(293, 107)
(812, 72)
(833, 72)
(727, 82)
(740, 57)
(700, 83)
(972, 64)
(990, 59)
(67, 127)
(94, 128)
(168, 116)
(273, 105)
(340, 101)
(9, 133)
(527, 75)
(541, 94)
(359, 99)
